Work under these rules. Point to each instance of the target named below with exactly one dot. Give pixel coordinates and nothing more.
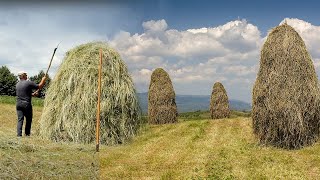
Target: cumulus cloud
(145, 72)
(235, 36)
(196, 58)
(240, 70)
(156, 26)
(193, 56)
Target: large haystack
(70, 105)
(162, 107)
(286, 93)
(219, 103)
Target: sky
(197, 42)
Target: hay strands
(70, 106)
(285, 96)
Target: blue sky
(187, 14)
(197, 42)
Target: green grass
(12, 100)
(206, 149)
(36, 158)
(191, 149)
(197, 115)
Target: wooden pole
(54, 52)
(98, 105)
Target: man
(24, 108)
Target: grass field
(35, 158)
(194, 148)
(206, 149)
(12, 100)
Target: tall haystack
(162, 106)
(219, 102)
(286, 94)
(70, 106)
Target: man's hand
(44, 78)
(36, 93)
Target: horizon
(204, 95)
(215, 42)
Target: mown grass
(191, 149)
(206, 149)
(197, 115)
(35, 158)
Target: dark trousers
(24, 110)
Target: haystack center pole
(98, 105)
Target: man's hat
(21, 73)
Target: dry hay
(286, 93)
(219, 103)
(70, 105)
(162, 107)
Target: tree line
(9, 80)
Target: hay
(286, 93)
(69, 111)
(219, 103)
(162, 106)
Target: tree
(8, 82)
(37, 79)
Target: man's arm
(39, 86)
(43, 81)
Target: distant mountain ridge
(189, 103)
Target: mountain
(188, 103)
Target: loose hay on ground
(69, 111)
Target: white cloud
(196, 31)
(194, 58)
(202, 55)
(241, 70)
(152, 25)
(145, 72)
(235, 36)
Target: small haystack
(219, 102)
(162, 106)
(70, 105)
(286, 94)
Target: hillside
(187, 103)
